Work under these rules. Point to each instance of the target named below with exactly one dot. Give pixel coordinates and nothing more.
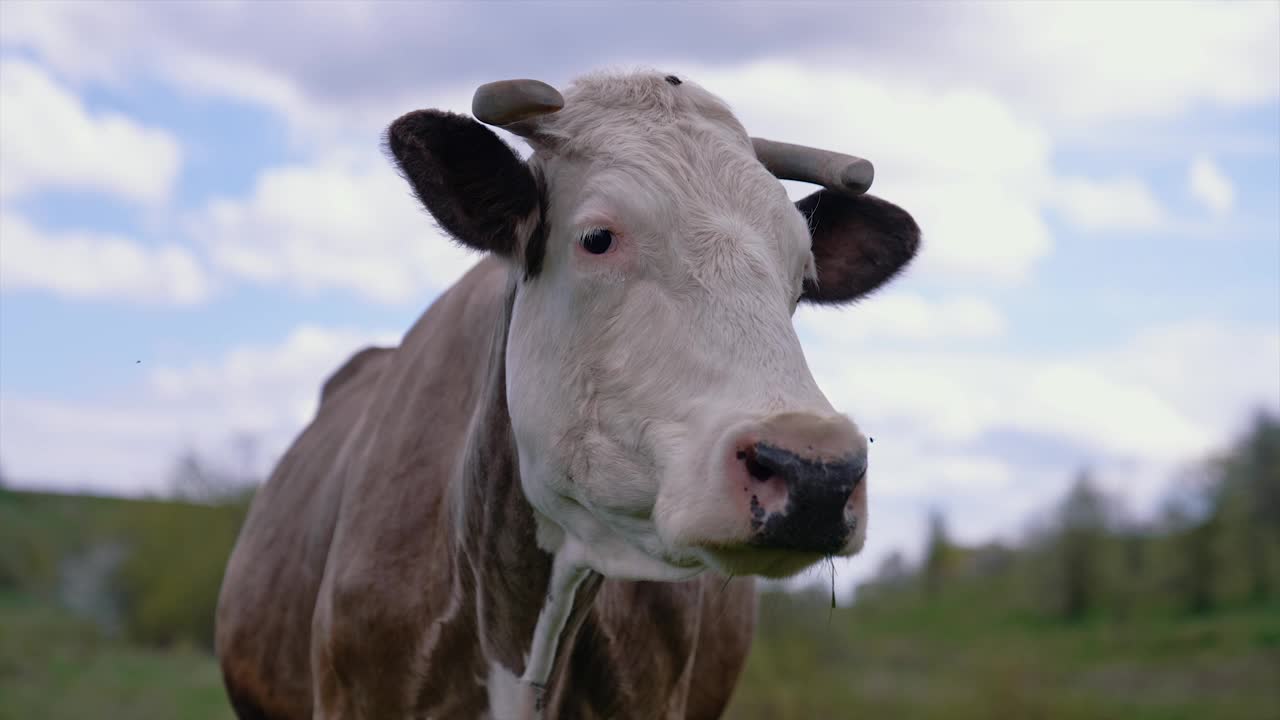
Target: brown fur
(351, 369)
(391, 557)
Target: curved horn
(506, 102)
(844, 174)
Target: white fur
(567, 572)
(625, 371)
(506, 693)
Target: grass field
(56, 667)
(967, 652)
(908, 663)
(955, 658)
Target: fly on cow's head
(665, 418)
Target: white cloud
(1075, 64)
(1210, 185)
(314, 122)
(964, 112)
(1134, 413)
(1081, 68)
(907, 466)
(987, 232)
(1112, 204)
(974, 170)
(127, 443)
(343, 222)
(905, 316)
(963, 144)
(1213, 369)
(82, 41)
(263, 389)
(214, 50)
(1091, 62)
(50, 140)
(963, 162)
(88, 264)
(1145, 401)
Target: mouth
(771, 561)
(763, 562)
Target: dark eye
(597, 242)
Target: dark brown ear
(473, 183)
(858, 244)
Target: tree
(1194, 520)
(1239, 534)
(196, 478)
(1260, 452)
(1081, 548)
(1201, 569)
(245, 446)
(1250, 503)
(1224, 518)
(940, 554)
(1134, 562)
(893, 568)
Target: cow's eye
(597, 242)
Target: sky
(197, 223)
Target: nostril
(758, 471)
(755, 468)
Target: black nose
(813, 518)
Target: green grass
(55, 667)
(980, 649)
(954, 658)
(803, 666)
(54, 664)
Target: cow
(552, 497)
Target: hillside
(966, 655)
(106, 610)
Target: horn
(508, 102)
(844, 174)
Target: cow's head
(665, 418)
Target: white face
(659, 396)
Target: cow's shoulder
(365, 363)
(391, 592)
(272, 577)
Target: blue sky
(198, 223)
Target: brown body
(390, 562)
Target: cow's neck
(524, 598)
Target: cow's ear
(473, 183)
(858, 244)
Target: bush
(170, 580)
